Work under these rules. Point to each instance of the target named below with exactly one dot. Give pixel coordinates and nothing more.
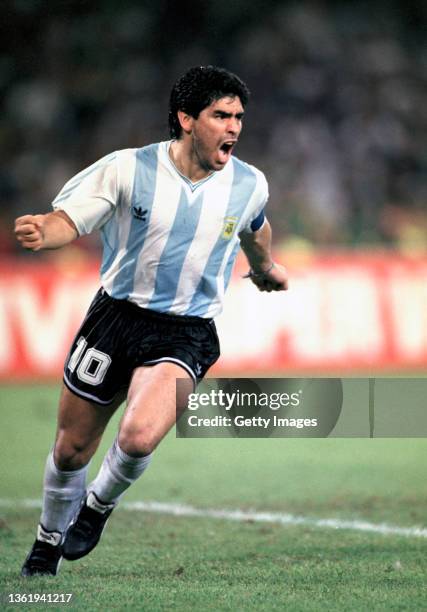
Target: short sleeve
(256, 216)
(90, 197)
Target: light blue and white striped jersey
(169, 244)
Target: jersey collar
(191, 185)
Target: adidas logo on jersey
(139, 213)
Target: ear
(186, 121)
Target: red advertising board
(342, 313)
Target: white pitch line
(248, 516)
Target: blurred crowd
(337, 119)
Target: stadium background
(337, 121)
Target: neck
(186, 161)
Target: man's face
(215, 132)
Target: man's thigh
(153, 406)
(81, 424)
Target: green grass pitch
(149, 561)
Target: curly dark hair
(198, 88)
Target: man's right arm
(50, 231)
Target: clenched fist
(274, 279)
(29, 231)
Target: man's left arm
(264, 272)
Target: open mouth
(227, 146)
(225, 150)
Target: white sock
(62, 493)
(118, 471)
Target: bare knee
(71, 453)
(151, 409)
(137, 442)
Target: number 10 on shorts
(91, 364)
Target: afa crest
(229, 225)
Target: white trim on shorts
(89, 396)
(85, 395)
(183, 365)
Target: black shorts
(117, 336)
